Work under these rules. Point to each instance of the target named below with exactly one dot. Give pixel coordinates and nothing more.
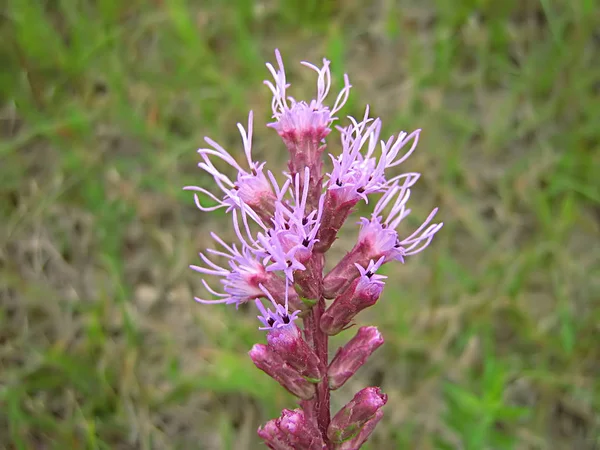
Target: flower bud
(274, 438)
(362, 293)
(292, 430)
(308, 282)
(352, 418)
(274, 366)
(288, 343)
(364, 434)
(276, 287)
(342, 275)
(353, 355)
(335, 213)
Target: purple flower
(298, 120)
(284, 231)
(354, 175)
(380, 235)
(369, 283)
(378, 238)
(241, 280)
(278, 318)
(251, 187)
(357, 173)
(290, 241)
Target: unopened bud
(352, 418)
(288, 343)
(308, 282)
(344, 273)
(273, 365)
(274, 438)
(353, 355)
(362, 293)
(336, 211)
(292, 430)
(364, 434)
(276, 287)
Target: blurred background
(492, 334)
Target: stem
(322, 405)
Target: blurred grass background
(492, 335)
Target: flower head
(380, 235)
(251, 186)
(299, 120)
(357, 172)
(290, 241)
(370, 284)
(241, 277)
(280, 317)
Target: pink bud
(308, 282)
(302, 432)
(276, 287)
(362, 293)
(291, 430)
(352, 418)
(342, 275)
(274, 366)
(335, 213)
(364, 434)
(274, 438)
(353, 355)
(288, 343)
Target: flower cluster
(284, 228)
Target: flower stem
(320, 411)
(321, 348)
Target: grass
(491, 335)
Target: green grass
(491, 335)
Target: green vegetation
(492, 334)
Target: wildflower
(290, 241)
(380, 235)
(284, 232)
(241, 280)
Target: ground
(491, 334)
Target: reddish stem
(321, 348)
(320, 405)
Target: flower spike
(282, 232)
